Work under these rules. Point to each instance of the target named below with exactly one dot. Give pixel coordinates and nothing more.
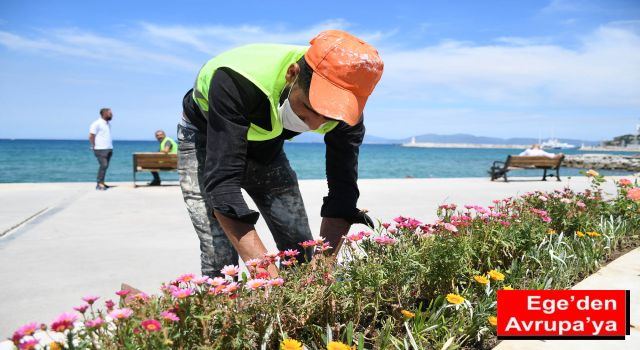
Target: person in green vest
(244, 104)
(167, 146)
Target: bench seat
(500, 169)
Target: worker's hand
(332, 230)
(361, 217)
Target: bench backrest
(155, 161)
(534, 161)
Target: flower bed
(404, 285)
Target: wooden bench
(500, 169)
(153, 161)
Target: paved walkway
(88, 242)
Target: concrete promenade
(64, 241)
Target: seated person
(535, 150)
(168, 146)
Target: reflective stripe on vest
(265, 65)
(174, 145)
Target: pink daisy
(253, 262)
(182, 293)
(255, 283)
(186, 277)
(291, 253)
(95, 323)
(90, 299)
(230, 270)
(27, 329)
(123, 292)
(82, 308)
(217, 281)
(231, 287)
(354, 237)
(289, 262)
(151, 325)
(201, 280)
(63, 322)
(120, 314)
(450, 227)
(308, 244)
(169, 316)
(385, 240)
(276, 282)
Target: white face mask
(290, 120)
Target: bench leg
(544, 176)
(505, 177)
(134, 180)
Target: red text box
(542, 314)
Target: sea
(28, 161)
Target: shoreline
(463, 145)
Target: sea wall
(602, 161)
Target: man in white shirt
(101, 144)
(535, 150)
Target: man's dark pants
(104, 157)
(273, 187)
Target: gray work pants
(273, 187)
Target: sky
(552, 68)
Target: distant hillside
(436, 138)
(467, 138)
(312, 137)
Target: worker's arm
(339, 208)
(225, 164)
(167, 148)
(92, 140)
(245, 239)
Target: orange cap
(345, 71)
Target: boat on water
(553, 143)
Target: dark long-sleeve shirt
(234, 102)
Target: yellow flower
(493, 320)
(593, 234)
(579, 234)
(290, 344)
(407, 314)
(592, 173)
(551, 232)
(481, 279)
(507, 288)
(455, 299)
(336, 345)
(55, 346)
(496, 276)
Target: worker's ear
(292, 72)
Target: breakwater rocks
(602, 161)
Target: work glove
(360, 216)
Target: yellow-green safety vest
(265, 65)
(174, 145)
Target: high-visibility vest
(265, 65)
(174, 145)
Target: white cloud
(75, 43)
(603, 70)
(215, 39)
